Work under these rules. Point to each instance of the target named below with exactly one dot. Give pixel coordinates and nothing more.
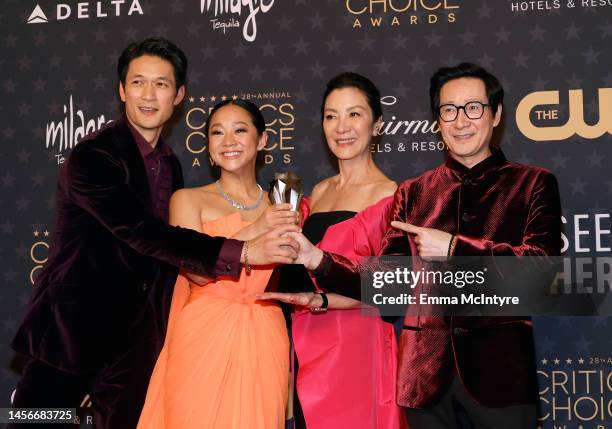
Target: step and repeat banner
(58, 83)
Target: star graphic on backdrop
(7, 227)
(366, 42)
(55, 61)
(317, 70)
(38, 179)
(559, 161)
(54, 107)
(520, 60)
(568, 361)
(484, 11)
(573, 32)
(130, 33)
(417, 65)
(591, 56)
(556, 58)
(418, 166)
(84, 59)
(8, 133)
(486, 61)
(537, 33)
(10, 41)
(99, 35)
(8, 180)
(316, 21)
(193, 29)
(194, 77)
(257, 73)
(100, 82)
(595, 159)
(399, 41)
(268, 48)
(300, 47)
(161, 31)
(240, 50)
(383, 66)
(9, 86)
(284, 72)
(40, 39)
(581, 361)
(400, 90)
(37, 132)
(606, 29)
(23, 156)
(433, 39)
(545, 346)
(70, 36)
(177, 6)
(284, 23)
(225, 75)
(24, 109)
(69, 83)
(574, 82)
(306, 145)
(577, 186)
(208, 52)
(467, 37)
(39, 84)
(350, 65)
(544, 361)
(557, 361)
(583, 345)
(538, 84)
(333, 45)
(22, 203)
(24, 63)
(502, 35)
(301, 95)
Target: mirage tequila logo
(227, 14)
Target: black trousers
(458, 410)
(117, 391)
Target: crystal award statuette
(286, 188)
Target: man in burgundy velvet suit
(96, 321)
(457, 369)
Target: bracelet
(452, 245)
(323, 307)
(247, 266)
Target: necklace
(235, 203)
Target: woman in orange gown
(225, 362)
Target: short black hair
(362, 83)
(495, 92)
(253, 111)
(158, 47)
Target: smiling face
(233, 140)
(468, 139)
(348, 123)
(150, 95)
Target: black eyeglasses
(473, 110)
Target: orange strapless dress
(225, 362)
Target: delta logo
(86, 10)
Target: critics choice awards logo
(394, 13)
(277, 107)
(230, 14)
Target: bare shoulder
(381, 188)
(321, 187)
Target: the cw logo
(575, 123)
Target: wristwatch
(323, 307)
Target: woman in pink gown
(347, 356)
(225, 362)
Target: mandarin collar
(492, 162)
